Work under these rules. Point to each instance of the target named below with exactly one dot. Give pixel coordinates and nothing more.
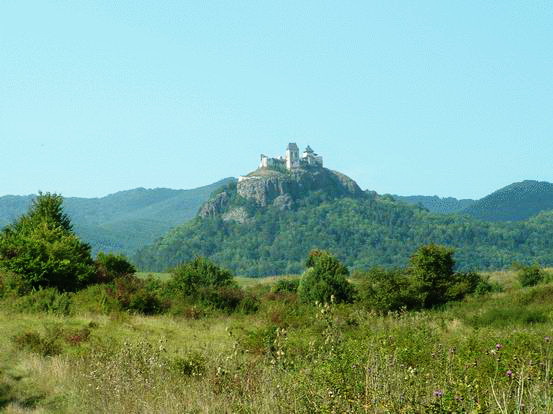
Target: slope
(437, 204)
(515, 202)
(262, 227)
(126, 220)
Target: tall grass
(486, 354)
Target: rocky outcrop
(239, 214)
(215, 206)
(279, 189)
(266, 189)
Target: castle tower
(292, 156)
(309, 157)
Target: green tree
(42, 248)
(200, 272)
(110, 266)
(325, 278)
(387, 289)
(529, 275)
(432, 269)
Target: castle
(292, 159)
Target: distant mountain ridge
(515, 202)
(123, 221)
(437, 204)
(266, 223)
(272, 202)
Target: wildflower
(498, 346)
(438, 393)
(509, 373)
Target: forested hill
(437, 204)
(514, 202)
(267, 225)
(123, 221)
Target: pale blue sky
(411, 97)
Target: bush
(249, 304)
(325, 279)
(387, 290)
(462, 284)
(94, 299)
(48, 300)
(189, 277)
(485, 286)
(110, 266)
(191, 365)
(429, 281)
(12, 284)
(529, 275)
(44, 345)
(134, 294)
(431, 267)
(222, 298)
(286, 286)
(42, 247)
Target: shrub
(189, 277)
(431, 267)
(45, 345)
(462, 284)
(387, 290)
(429, 281)
(110, 266)
(191, 365)
(286, 286)
(42, 247)
(134, 294)
(249, 304)
(484, 286)
(12, 284)
(226, 298)
(94, 299)
(48, 300)
(325, 279)
(529, 275)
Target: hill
(126, 220)
(267, 223)
(437, 204)
(515, 202)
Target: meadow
(486, 354)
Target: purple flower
(438, 393)
(498, 346)
(509, 373)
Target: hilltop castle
(292, 159)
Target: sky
(406, 97)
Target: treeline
(44, 266)
(363, 233)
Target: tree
(110, 266)
(432, 269)
(387, 289)
(42, 248)
(324, 279)
(200, 272)
(529, 275)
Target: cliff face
(281, 189)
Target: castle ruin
(292, 158)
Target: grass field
(485, 354)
